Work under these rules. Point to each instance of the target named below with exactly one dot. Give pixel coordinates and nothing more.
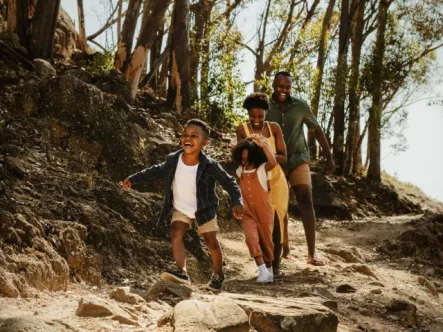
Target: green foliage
(222, 105)
(101, 62)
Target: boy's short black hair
(199, 123)
(283, 73)
(256, 155)
(257, 100)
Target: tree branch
(106, 26)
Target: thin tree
(124, 46)
(81, 26)
(318, 78)
(375, 112)
(180, 76)
(340, 88)
(152, 19)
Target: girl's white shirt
(263, 176)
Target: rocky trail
(359, 288)
(77, 253)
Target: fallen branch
(154, 68)
(14, 55)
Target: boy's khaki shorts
(210, 226)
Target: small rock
(120, 295)
(16, 166)
(406, 310)
(35, 313)
(376, 291)
(345, 288)
(44, 69)
(376, 283)
(428, 284)
(324, 292)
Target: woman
(257, 104)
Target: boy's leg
(176, 232)
(213, 245)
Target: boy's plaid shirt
(208, 172)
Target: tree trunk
(318, 78)
(153, 20)
(180, 78)
(12, 16)
(124, 46)
(81, 26)
(340, 89)
(119, 17)
(154, 54)
(260, 54)
(41, 44)
(374, 171)
(23, 22)
(353, 161)
(202, 17)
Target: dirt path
(347, 247)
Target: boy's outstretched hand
(238, 211)
(126, 184)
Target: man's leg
(176, 232)
(300, 181)
(303, 194)
(213, 245)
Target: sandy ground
(349, 248)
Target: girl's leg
(265, 231)
(259, 260)
(176, 232)
(213, 245)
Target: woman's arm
(280, 145)
(269, 155)
(241, 135)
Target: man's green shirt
(291, 120)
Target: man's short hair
(283, 73)
(257, 100)
(199, 123)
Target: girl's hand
(257, 140)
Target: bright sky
(422, 162)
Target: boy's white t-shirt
(262, 175)
(184, 188)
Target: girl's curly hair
(256, 155)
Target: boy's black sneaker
(216, 283)
(177, 276)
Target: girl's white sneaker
(264, 275)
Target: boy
(191, 197)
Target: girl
(256, 160)
(257, 104)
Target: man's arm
(321, 138)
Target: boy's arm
(158, 171)
(229, 184)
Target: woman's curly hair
(256, 155)
(257, 100)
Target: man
(291, 113)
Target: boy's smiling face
(193, 139)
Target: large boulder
(215, 314)
(34, 324)
(66, 37)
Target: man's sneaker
(177, 276)
(216, 283)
